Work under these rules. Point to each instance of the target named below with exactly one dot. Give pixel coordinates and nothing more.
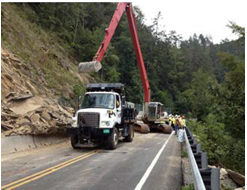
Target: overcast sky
(187, 17)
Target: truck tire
(113, 139)
(74, 141)
(130, 136)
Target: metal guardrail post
(196, 148)
(201, 160)
(211, 178)
(198, 182)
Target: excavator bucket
(88, 67)
(141, 127)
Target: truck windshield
(98, 101)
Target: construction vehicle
(151, 114)
(104, 117)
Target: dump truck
(103, 118)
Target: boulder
(45, 115)
(237, 178)
(35, 118)
(223, 173)
(225, 181)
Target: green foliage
(232, 95)
(200, 96)
(236, 29)
(184, 154)
(165, 98)
(220, 146)
(188, 187)
(78, 90)
(113, 75)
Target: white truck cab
(104, 116)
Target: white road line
(150, 168)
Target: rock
(27, 105)
(25, 129)
(240, 188)
(7, 133)
(65, 112)
(225, 181)
(23, 121)
(14, 96)
(6, 126)
(45, 115)
(228, 184)
(237, 178)
(7, 116)
(44, 121)
(35, 118)
(223, 173)
(11, 94)
(210, 165)
(53, 123)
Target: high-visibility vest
(173, 121)
(183, 122)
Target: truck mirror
(123, 100)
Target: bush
(221, 147)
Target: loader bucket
(88, 67)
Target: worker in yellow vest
(174, 122)
(183, 121)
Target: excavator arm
(121, 7)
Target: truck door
(118, 109)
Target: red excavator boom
(121, 7)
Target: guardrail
(205, 178)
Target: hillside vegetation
(195, 77)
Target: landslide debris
(25, 108)
(48, 118)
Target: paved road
(151, 162)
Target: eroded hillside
(37, 77)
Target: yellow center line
(49, 170)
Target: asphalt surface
(62, 167)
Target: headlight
(74, 123)
(105, 123)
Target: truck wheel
(74, 141)
(130, 136)
(113, 139)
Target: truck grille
(88, 119)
